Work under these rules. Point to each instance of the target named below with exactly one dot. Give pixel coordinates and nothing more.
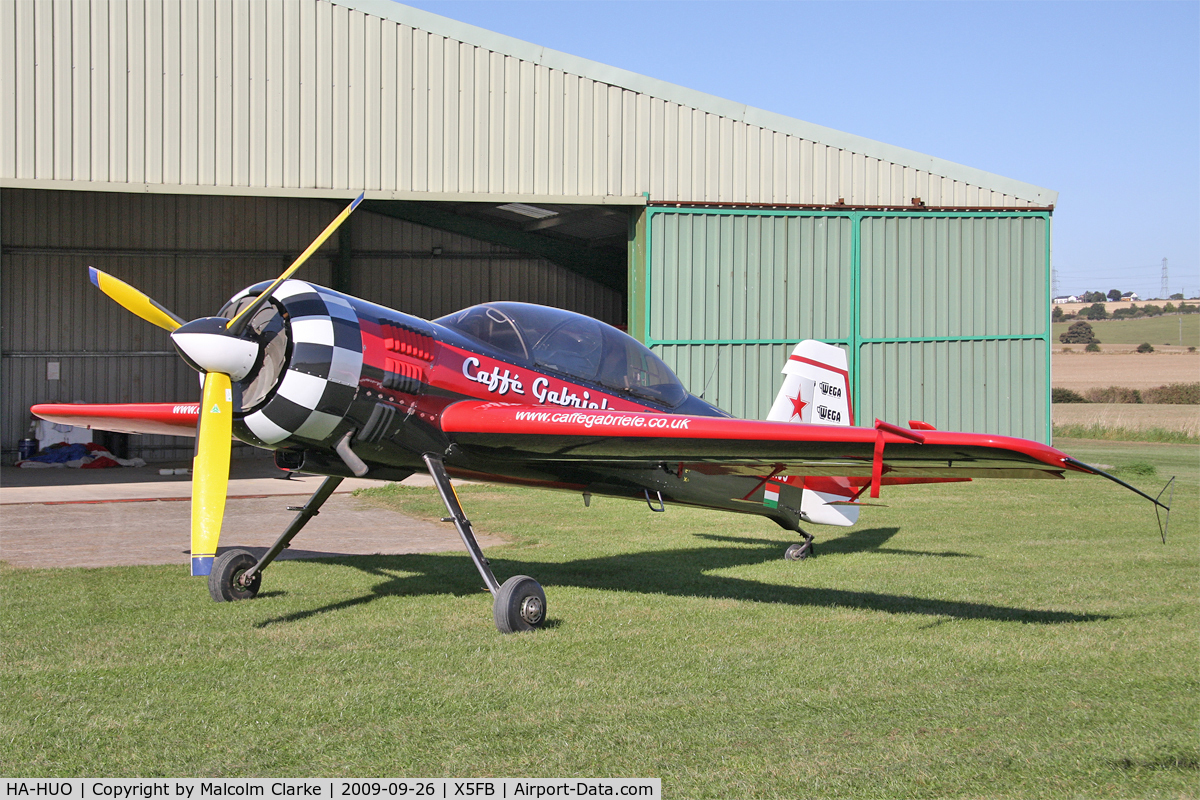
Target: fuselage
(391, 392)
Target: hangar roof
(729, 109)
(325, 97)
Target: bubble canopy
(572, 345)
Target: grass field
(1172, 329)
(1130, 418)
(1082, 371)
(999, 639)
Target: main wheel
(520, 605)
(223, 580)
(798, 552)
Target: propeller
(218, 349)
(133, 300)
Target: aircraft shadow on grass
(869, 540)
(683, 572)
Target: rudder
(816, 387)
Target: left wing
(746, 447)
(166, 419)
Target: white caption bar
(197, 788)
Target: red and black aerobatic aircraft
(516, 393)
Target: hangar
(194, 148)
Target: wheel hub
(532, 610)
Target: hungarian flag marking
(771, 495)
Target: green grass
(1155, 330)
(998, 639)
(1115, 434)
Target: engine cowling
(308, 373)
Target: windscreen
(573, 345)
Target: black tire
(520, 605)
(226, 569)
(798, 552)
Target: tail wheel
(520, 605)
(224, 580)
(799, 551)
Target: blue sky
(1099, 101)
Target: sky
(1099, 101)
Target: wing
(729, 446)
(167, 419)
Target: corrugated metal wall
(394, 265)
(730, 293)
(954, 322)
(192, 254)
(941, 276)
(309, 95)
(984, 386)
(945, 316)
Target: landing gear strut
(801, 550)
(520, 604)
(237, 575)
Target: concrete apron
(90, 520)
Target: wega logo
(829, 414)
(605, 420)
(830, 389)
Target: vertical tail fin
(816, 391)
(816, 387)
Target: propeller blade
(238, 323)
(133, 300)
(210, 470)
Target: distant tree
(1114, 294)
(1093, 297)
(1079, 333)
(1057, 314)
(1169, 308)
(1177, 296)
(1094, 311)
(1059, 394)
(1151, 310)
(1145, 347)
(1092, 347)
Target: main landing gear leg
(801, 551)
(236, 575)
(520, 604)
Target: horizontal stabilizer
(824, 508)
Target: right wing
(545, 435)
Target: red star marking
(798, 405)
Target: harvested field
(1082, 371)
(1130, 416)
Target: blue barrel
(27, 448)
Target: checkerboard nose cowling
(321, 378)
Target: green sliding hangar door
(945, 315)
